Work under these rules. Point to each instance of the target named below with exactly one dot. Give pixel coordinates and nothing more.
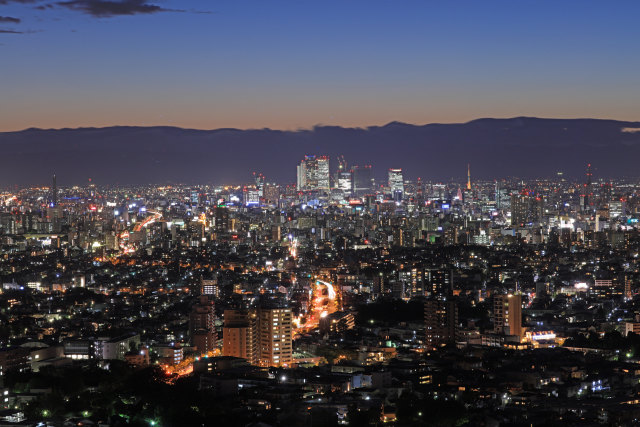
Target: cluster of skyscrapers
(313, 174)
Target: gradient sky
(295, 64)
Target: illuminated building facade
(526, 209)
(240, 335)
(221, 219)
(345, 183)
(250, 196)
(313, 174)
(275, 336)
(202, 325)
(507, 315)
(441, 322)
(262, 336)
(440, 282)
(396, 183)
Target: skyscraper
(259, 180)
(301, 176)
(616, 208)
(441, 322)
(587, 188)
(275, 333)
(342, 167)
(250, 196)
(239, 335)
(262, 336)
(201, 325)
(507, 315)
(526, 208)
(440, 309)
(271, 193)
(362, 179)
(440, 283)
(396, 183)
(345, 182)
(313, 174)
(322, 174)
(54, 212)
(221, 215)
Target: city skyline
(310, 214)
(251, 65)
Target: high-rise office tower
(342, 167)
(307, 173)
(420, 190)
(301, 176)
(526, 209)
(441, 322)
(202, 328)
(313, 174)
(259, 181)
(396, 182)
(250, 196)
(310, 167)
(275, 336)
(322, 174)
(606, 191)
(587, 189)
(271, 193)
(507, 314)
(239, 335)
(362, 179)
(616, 208)
(410, 189)
(345, 182)
(221, 215)
(54, 212)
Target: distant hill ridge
(519, 146)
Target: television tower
(468, 176)
(587, 190)
(54, 192)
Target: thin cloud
(10, 32)
(108, 8)
(9, 20)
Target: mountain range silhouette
(524, 147)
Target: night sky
(294, 64)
